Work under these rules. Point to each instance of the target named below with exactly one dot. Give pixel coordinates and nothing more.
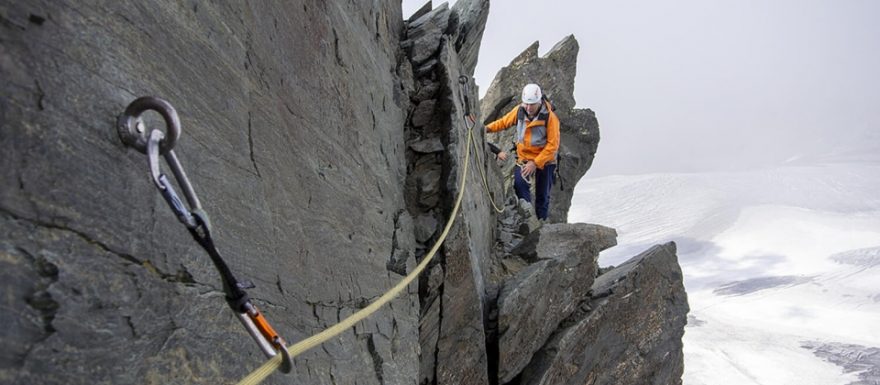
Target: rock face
(292, 117)
(472, 17)
(535, 300)
(579, 129)
(452, 295)
(326, 141)
(628, 333)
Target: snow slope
(781, 265)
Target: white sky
(692, 85)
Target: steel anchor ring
(127, 125)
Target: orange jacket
(545, 135)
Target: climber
(537, 141)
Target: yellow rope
(483, 174)
(260, 374)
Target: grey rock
(517, 220)
(554, 72)
(424, 34)
(428, 184)
(505, 237)
(527, 222)
(405, 79)
(452, 337)
(472, 16)
(426, 69)
(291, 116)
(425, 227)
(421, 11)
(403, 244)
(427, 146)
(629, 332)
(508, 220)
(312, 168)
(553, 240)
(533, 303)
(461, 349)
(579, 129)
(423, 113)
(429, 327)
(426, 92)
(580, 139)
(852, 358)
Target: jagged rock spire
(472, 15)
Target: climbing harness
(470, 121)
(262, 372)
(545, 116)
(132, 132)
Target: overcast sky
(692, 85)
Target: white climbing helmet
(531, 94)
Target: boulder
(533, 303)
(553, 240)
(629, 332)
(424, 33)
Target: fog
(689, 86)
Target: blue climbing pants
(543, 183)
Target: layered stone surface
(292, 117)
(629, 332)
(326, 142)
(534, 301)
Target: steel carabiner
(267, 338)
(131, 130)
(185, 215)
(463, 83)
(154, 143)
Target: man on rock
(537, 140)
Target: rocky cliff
(326, 141)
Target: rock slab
(628, 333)
(292, 116)
(533, 303)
